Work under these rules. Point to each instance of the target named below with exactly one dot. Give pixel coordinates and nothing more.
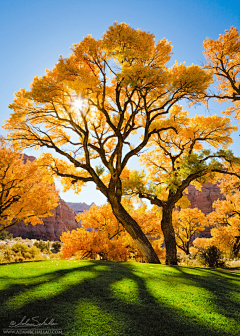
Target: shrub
(44, 247)
(8, 255)
(192, 260)
(56, 247)
(4, 235)
(212, 257)
(24, 251)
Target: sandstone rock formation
(79, 207)
(26, 157)
(204, 199)
(63, 219)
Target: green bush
(4, 235)
(8, 255)
(212, 257)
(56, 247)
(44, 247)
(23, 251)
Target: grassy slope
(113, 298)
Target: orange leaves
(108, 239)
(214, 130)
(69, 175)
(124, 80)
(127, 44)
(92, 245)
(225, 219)
(100, 219)
(187, 223)
(27, 191)
(225, 48)
(179, 152)
(191, 80)
(223, 61)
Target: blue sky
(34, 33)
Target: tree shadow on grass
(222, 287)
(85, 300)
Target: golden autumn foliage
(223, 62)
(88, 107)
(180, 155)
(177, 157)
(187, 223)
(91, 245)
(102, 236)
(27, 192)
(225, 219)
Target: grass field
(115, 298)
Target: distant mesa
(26, 157)
(79, 207)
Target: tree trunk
(169, 236)
(135, 232)
(236, 246)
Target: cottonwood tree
(179, 158)
(27, 192)
(88, 107)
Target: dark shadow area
(91, 299)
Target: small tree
(187, 223)
(27, 192)
(225, 219)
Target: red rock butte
(204, 199)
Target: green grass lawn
(115, 298)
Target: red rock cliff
(204, 199)
(63, 220)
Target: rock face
(204, 199)
(63, 220)
(79, 207)
(26, 157)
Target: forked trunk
(135, 232)
(169, 236)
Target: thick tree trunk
(169, 236)
(236, 246)
(135, 232)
